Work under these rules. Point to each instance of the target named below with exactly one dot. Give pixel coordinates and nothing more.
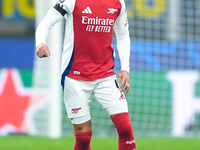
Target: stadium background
(164, 39)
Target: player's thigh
(77, 98)
(109, 96)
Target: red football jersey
(93, 23)
(88, 53)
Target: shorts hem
(116, 109)
(80, 119)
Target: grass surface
(109, 143)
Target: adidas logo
(87, 11)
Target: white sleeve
(123, 38)
(51, 18)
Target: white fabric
(52, 17)
(123, 38)
(78, 94)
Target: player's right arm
(52, 17)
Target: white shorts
(78, 94)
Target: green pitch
(109, 143)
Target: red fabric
(125, 132)
(83, 140)
(93, 50)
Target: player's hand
(42, 51)
(125, 84)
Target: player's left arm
(123, 46)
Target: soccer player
(88, 62)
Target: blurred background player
(88, 62)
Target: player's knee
(84, 127)
(125, 130)
(83, 140)
(123, 125)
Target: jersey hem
(86, 79)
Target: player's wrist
(124, 70)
